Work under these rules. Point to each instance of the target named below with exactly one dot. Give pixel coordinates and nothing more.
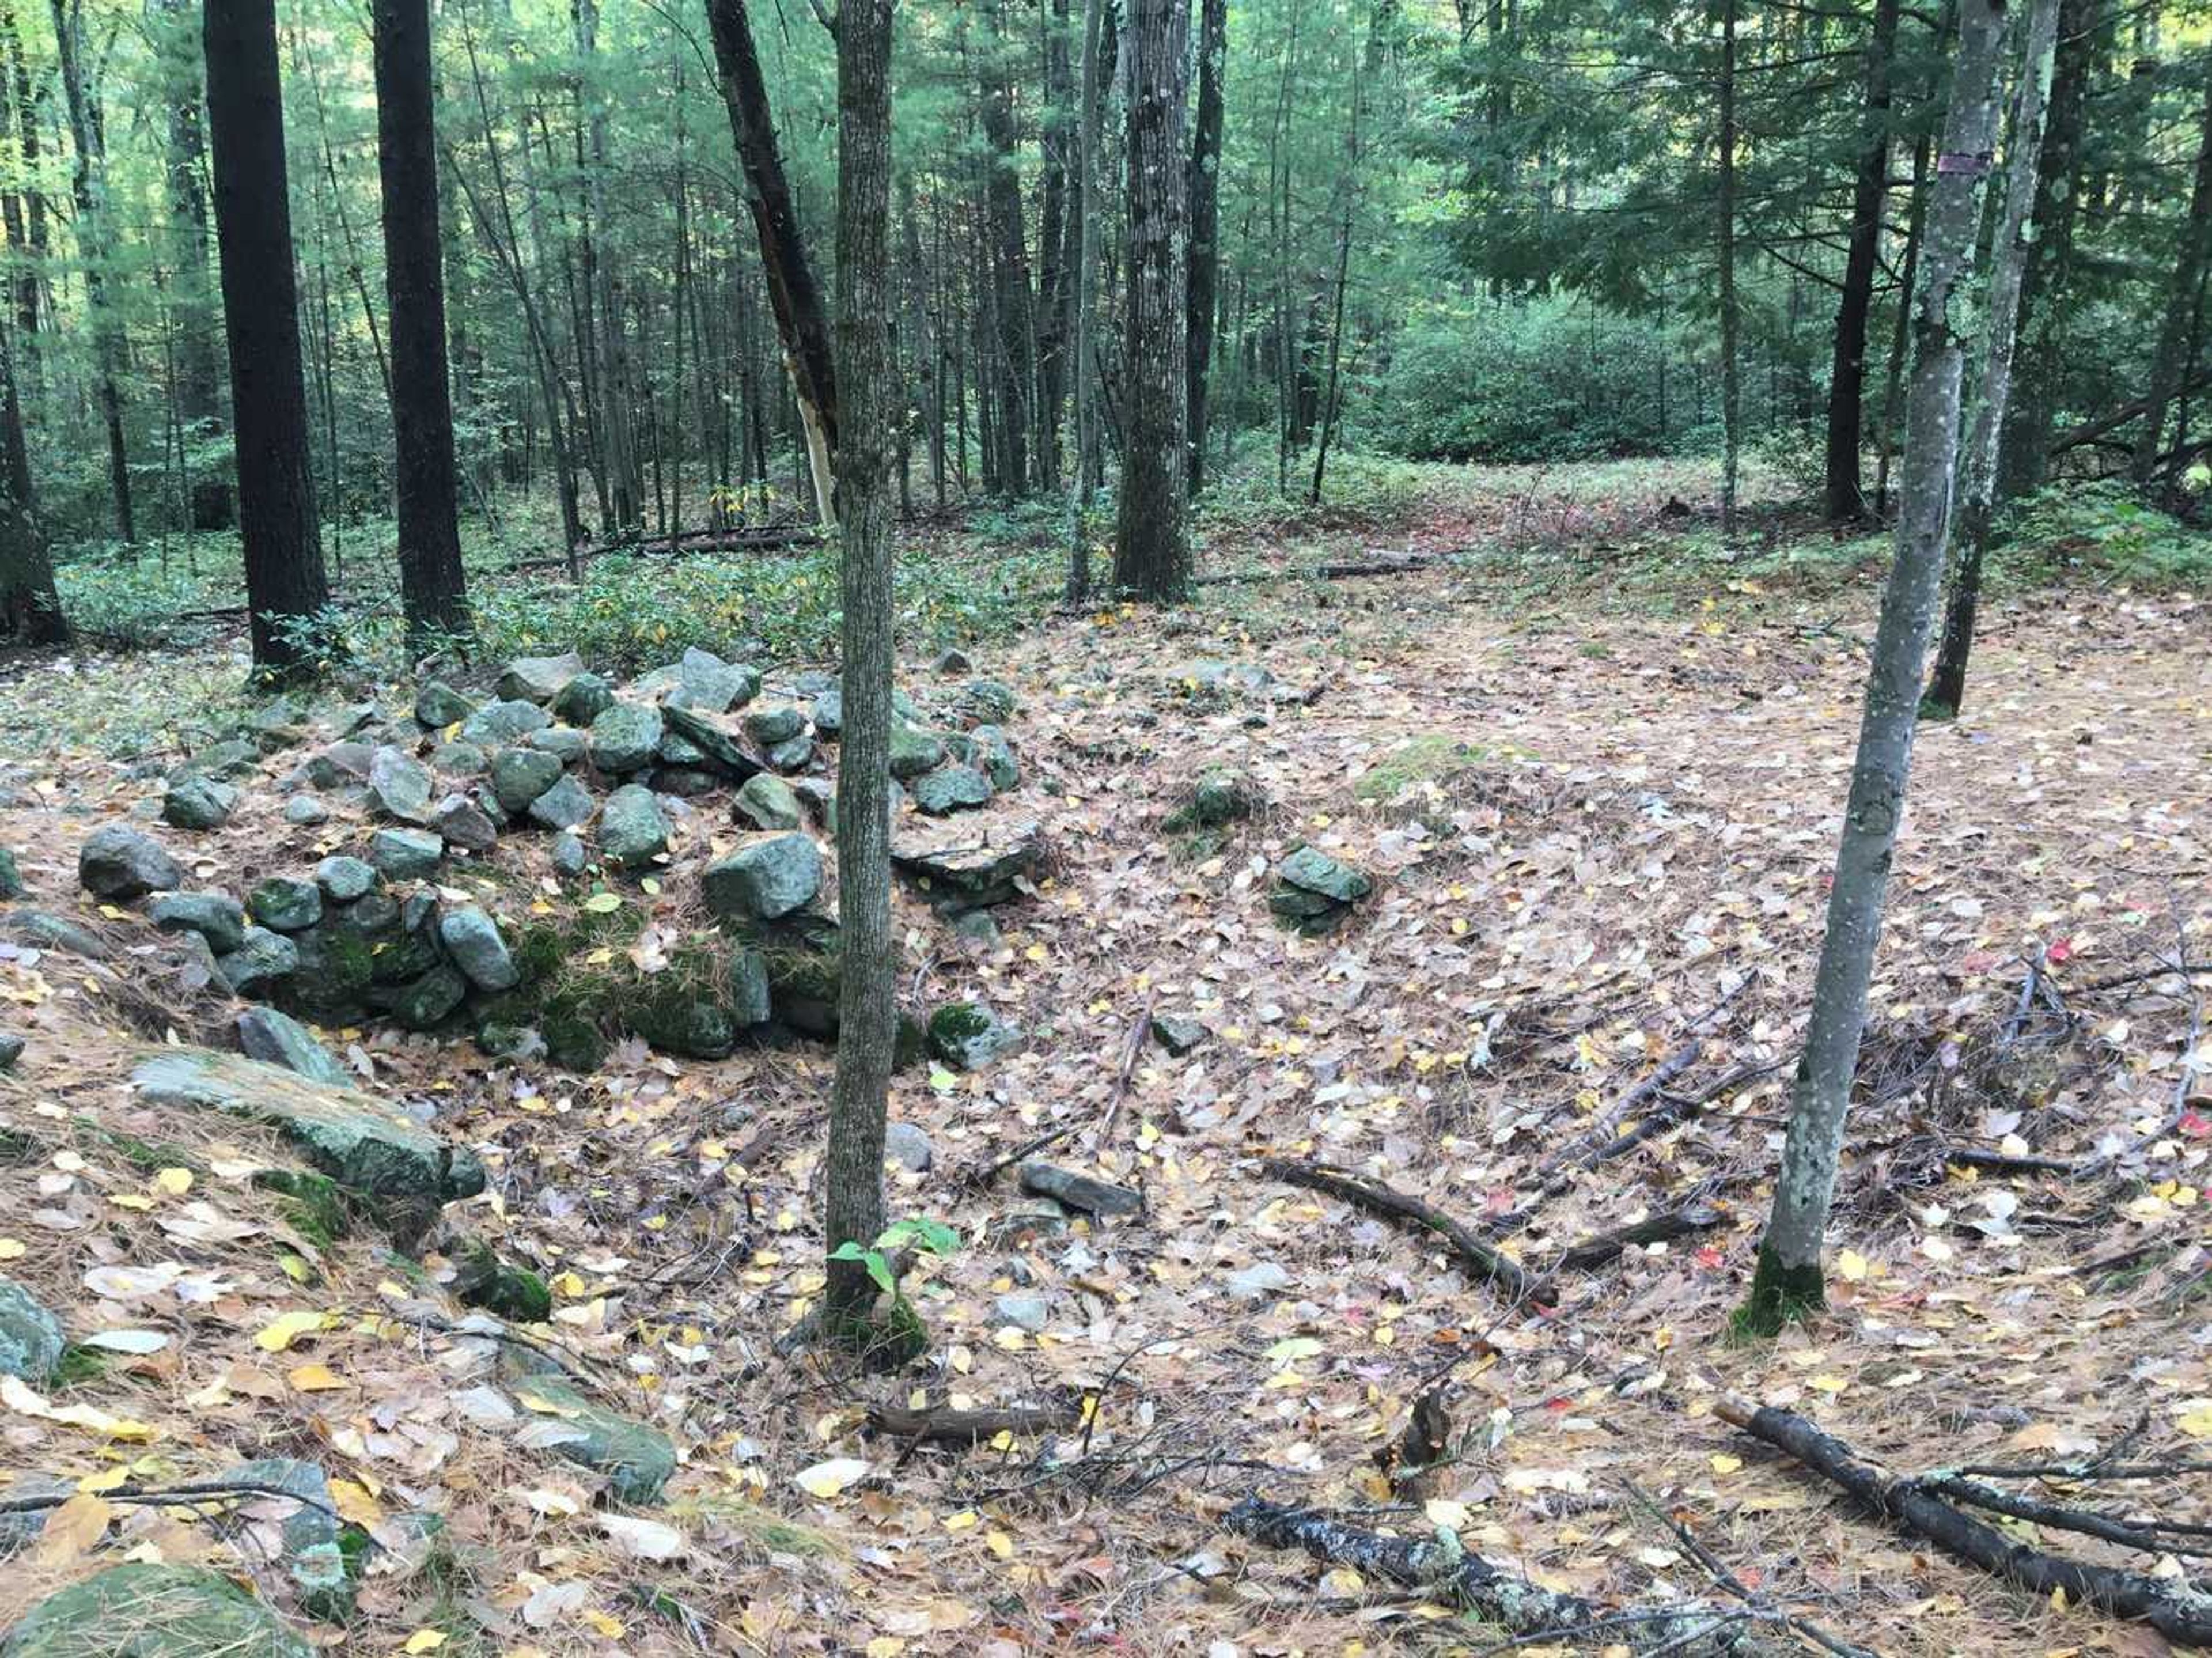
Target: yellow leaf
(131, 1200)
(2197, 1424)
(1441, 1512)
(175, 1182)
(610, 1626)
(826, 1480)
(544, 1405)
(72, 1529)
(105, 1480)
(354, 1505)
(318, 1379)
(425, 1639)
(1851, 1266)
(885, 1646)
(12, 1248)
(287, 1328)
(1828, 1384)
(999, 1544)
(1724, 1464)
(959, 1521)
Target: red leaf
(2194, 1123)
(1709, 1257)
(2060, 949)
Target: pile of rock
(1313, 892)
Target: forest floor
(1599, 801)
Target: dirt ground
(1599, 831)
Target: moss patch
(1429, 757)
(313, 1205)
(1780, 1296)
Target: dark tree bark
(1731, 315)
(23, 121)
(1152, 543)
(2169, 363)
(866, 1010)
(198, 362)
(1056, 247)
(1009, 262)
(793, 295)
(432, 587)
(1204, 188)
(30, 608)
(1846, 498)
(284, 578)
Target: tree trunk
(23, 121)
(617, 393)
(793, 296)
(1204, 188)
(284, 580)
(198, 370)
(867, 1014)
(2169, 364)
(1152, 543)
(1731, 316)
(432, 587)
(1085, 225)
(1846, 499)
(1010, 264)
(1788, 1283)
(1947, 689)
(30, 608)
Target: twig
(1482, 1258)
(1138, 1031)
(978, 1178)
(942, 1425)
(187, 1496)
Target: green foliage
(2101, 531)
(932, 1238)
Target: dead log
(942, 1425)
(1481, 1258)
(1690, 1220)
(1437, 1564)
(2173, 1611)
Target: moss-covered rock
(30, 1336)
(139, 1610)
(636, 1458)
(514, 1293)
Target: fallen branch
(1689, 1219)
(2151, 1536)
(942, 1425)
(2173, 1611)
(1483, 1260)
(191, 1496)
(1439, 1565)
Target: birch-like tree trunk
(1788, 1283)
(1946, 688)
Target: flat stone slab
(637, 1457)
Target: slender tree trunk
(795, 297)
(1055, 246)
(617, 393)
(1204, 188)
(30, 606)
(1085, 227)
(2169, 364)
(1908, 278)
(432, 586)
(1788, 1283)
(198, 392)
(1846, 499)
(1946, 691)
(89, 190)
(23, 120)
(1152, 543)
(284, 580)
(867, 1014)
(1731, 316)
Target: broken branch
(1481, 1258)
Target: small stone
(1178, 1036)
(438, 705)
(539, 678)
(979, 927)
(502, 1041)
(30, 1336)
(399, 785)
(503, 722)
(625, 737)
(462, 823)
(768, 726)
(908, 1147)
(277, 1038)
(964, 869)
(1220, 798)
(233, 758)
(119, 864)
(768, 803)
(11, 1049)
(472, 939)
(424, 1004)
(913, 751)
(564, 805)
(766, 880)
(198, 802)
(216, 916)
(286, 904)
(402, 854)
(996, 756)
(1314, 891)
(633, 831)
(583, 699)
(683, 782)
(792, 753)
(564, 742)
(519, 777)
(342, 763)
(967, 1034)
(11, 878)
(305, 810)
(1027, 1313)
(459, 760)
(989, 701)
(820, 796)
(1083, 1192)
(954, 661)
(950, 789)
(344, 879)
(569, 853)
(829, 710)
(259, 962)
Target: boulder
(771, 726)
(216, 916)
(284, 903)
(277, 1038)
(30, 1336)
(538, 678)
(765, 878)
(506, 721)
(460, 821)
(232, 758)
(438, 705)
(768, 803)
(564, 805)
(633, 830)
(973, 865)
(636, 1458)
(709, 744)
(344, 879)
(426, 1002)
(399, 785)
(261, 959)
(987, 702)
(459, 760)
(519, 777)
(967, 1034)
(705, 682)
(829, 710)
(569, 853)
(197, 802)
(908, 1147)
(405, 854)
(994, 754)
(913, 751)
(583, 699)
(950, 789)
(339, 766)
(564, 742)
(625, 738)
(141, 1610)
(119, 864)
(472, 939)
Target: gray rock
(19, 1530)
(913, 751)
(1178, 1036)
(964, 869)
(636, 1458)
(996, 756)
(342, 763)
(399, 785)
(503, 722)
(792, 753)
(216, 916)
(310, 1555)
(286, 904)
(438, 705)
(405, 854)
(1313, 891)
(139, 1610)
(681, 753)
(979, 927)
(262, 959)
(502, 1041)
(12, 1046)
(908, 1147)
(625, 737)
(519, 777)
(235, 758)
(344, 879)
(305, 810)
(538, 678)
(425, 1003)
(564, 742)
(820, 796)
(569, 853)
(683, 782)
(1220, 798)
(632, 829)
(472, 939)
(198, 802)
(966, 1034)
(765, 878)
(460, 821)
(279, 1038)
(1029, 1313)
(705, 682)
(459, 760)
(1258, 1281)
(119, 864)
(564, 805)
(987, 700)
(30, 1336)
(768, 803)
(771, 726)
(11, 878)
(953, 661)
(708, 741)
(950, 789)
(1083, 1192)
(583, 699)
(46, 930)
(829, 710)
